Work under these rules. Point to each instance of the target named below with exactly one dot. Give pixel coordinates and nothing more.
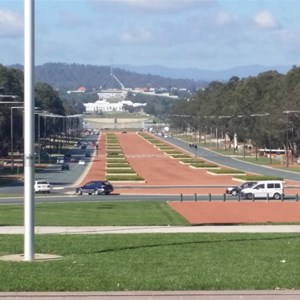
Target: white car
(42, 186)
(81, 162)
(265, 189)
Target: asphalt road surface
(231, 162)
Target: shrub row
(227, 171)
(120, 171)
(204, 165)
(124, 178)
(117, 166)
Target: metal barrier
(224, 198)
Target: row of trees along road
(46, 99)
(264, 109)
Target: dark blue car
(96, 187)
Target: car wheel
(234, 192)
(79, 192)
(107, 193)
(277, 196)
(249, 196)
(97, 192)
(90, 194)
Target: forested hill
(65, 77)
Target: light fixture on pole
(287, 112)
(12, 136)
(256, 129)
(224, 117)
(11, 97)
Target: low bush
(203, 165)
(115, 154)
(117, 165)
(179, 156)
(116, 159)
(227, 171)
(192, 161)
(173, 152)
(120, 171)
(124, 178)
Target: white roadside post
(29, 130)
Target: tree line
(264, 109)
(11, 115)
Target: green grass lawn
(155, 262)
(94, 214)
(116, 262)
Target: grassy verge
(155, 262)
(94, 214)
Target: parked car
(235, 190)
(81, 162)
(42, 186)
(96, 187)
(264, 189)
(65, 167)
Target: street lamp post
(12, 136)
(11, 97)
(287, 112)
(244, 137)
(256, 129)
(39, 136)
(224, 117)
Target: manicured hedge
(118, 165)
(120, 171)
(114, 154)
(124, 178)
(203, 165)
(192, 161)
(227, 171)
(173, 152)
(179, 155)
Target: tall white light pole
(29, 130)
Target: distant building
(81, 89)
(111, 100)
(104, 105)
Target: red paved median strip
(164, 175)
(238, 212)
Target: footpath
(154, 229)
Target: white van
(264, 189)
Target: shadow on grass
(196, 242)
(108, 206)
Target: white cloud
(11, 23)
(224, 19)
(136, 36)
(264, 19)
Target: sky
(203, 34)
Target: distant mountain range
(65, 77)
(202, 74)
